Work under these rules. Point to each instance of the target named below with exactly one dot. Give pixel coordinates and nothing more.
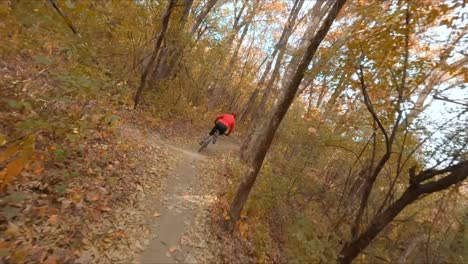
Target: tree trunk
(318, 11)
(246, 151)
(265, 137)
(64, 16)
(248, 107)
(206, 9)
(220, 84)
(251, 102)
(236, 51)
(287, 31)
(164, 25)
(457, 174)
(172, 52)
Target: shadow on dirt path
(183, 199)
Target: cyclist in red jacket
(223, 123)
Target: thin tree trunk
(457, 174)
(236, 51)
(318, 11)
(171, 53)
(64, 16)
(250, 103)
(287, 31)
(245, 153)
(164, 26)
(206, 9)
(237, 25)
(264, 138)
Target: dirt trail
(180, 219)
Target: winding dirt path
(180, 222)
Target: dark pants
(222, 128)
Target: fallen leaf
(85, 258)
(12, 229)
(51, 261)
(38, 170)
(105, 209)
(120, 234)
(4, 244)
(172, 249)
(156, 214)
(53, 219)
(92, 197)
(184, 240)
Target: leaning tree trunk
(265, 137)
(253, 96)
(416, 189)
(144, 76)
(64, 16)
(206, 9)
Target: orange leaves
(92, 197)
(21, 154)
(9, 152)
(12, 170)
(53, 219)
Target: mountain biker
(223, 123)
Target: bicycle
(208, 140)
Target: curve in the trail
(175, 210)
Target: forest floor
(181, 219)
(135, 191)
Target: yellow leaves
(226, 215)
(2, 139)
(243, 229)
(75, 197)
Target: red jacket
(228, 120)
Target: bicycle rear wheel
(205, 143)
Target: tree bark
(318, 11)
(206, 9)
(265, 137)
(171, 53)
(64, 16)
(457, 174)
(164, 26)
(280, 48)
(236, 51)
(287, 31)
(237, 25)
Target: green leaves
(42, 59)
(60, 155)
